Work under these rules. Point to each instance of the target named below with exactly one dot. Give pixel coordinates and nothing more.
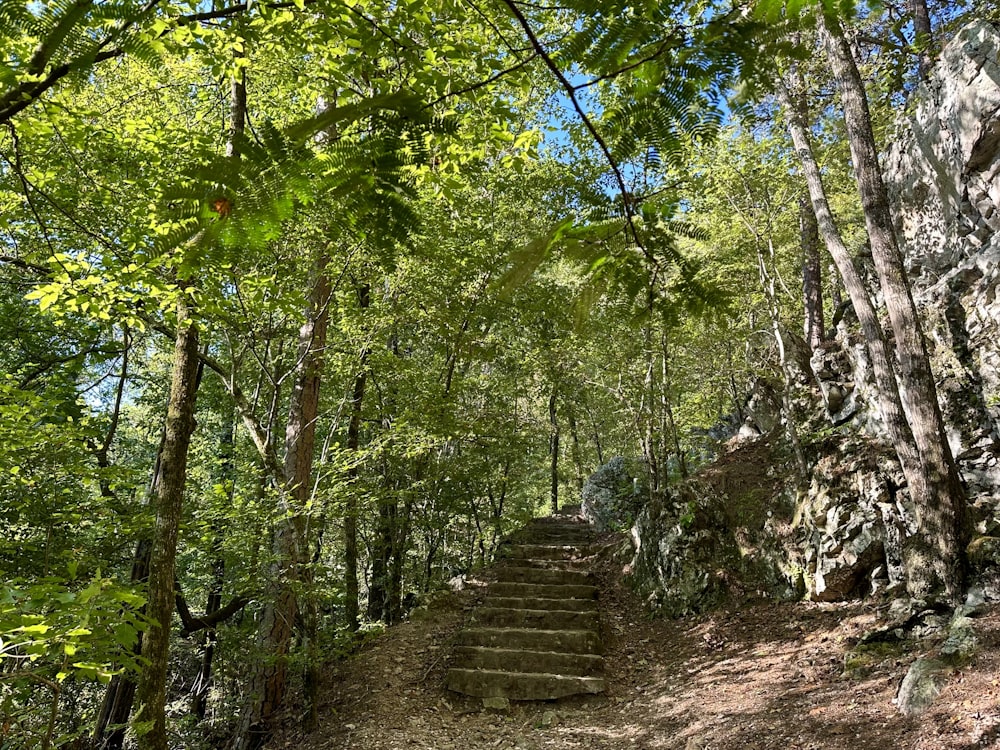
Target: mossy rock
(984, 552)
(860, 660)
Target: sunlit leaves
(69, 629)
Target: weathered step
(521, 660)
(511, 574)
(497, 617)
(537, 602)
(566, 641)
(560, 527)
(520, 686)
(548, 551)
(551, 564)
(542, 590)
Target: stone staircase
(536, 635)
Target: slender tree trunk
(351, 509)
(648, 441)
(766, 268)
(202, 683)
(923, 37)
(116, 708)
(397, 562)
(268, 682)
(668, 406)
(199, 693)
(934, 555)
(576, 450)
(596, 434)
(553, 455)
(882, 369)
(812, 278)
(381, 557)
(152, 686)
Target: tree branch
(631, 66)
(602, 144)
(25, 265)
(191, 624)
(482, 84)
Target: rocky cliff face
(841, 536)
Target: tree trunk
(268, 682)
(923, 37)
(554, 455)
(381, 558)
(351, 509)
(812, 278)
(116, 708)
(882, 369)
(576, 449)
(668, 406)
(152, 686)
(768, 272)
(199, 692)
(934, 555)
(400, 545)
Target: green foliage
(58, 634)
(400, 142)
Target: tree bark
(668, 405)
(554, 455)
(152, 686)
(116, 707)
(351, 606)
(923, 37)
(768, 272)
(812, 277)
(882, 369)
(934, 555)
(381, 559)
(576, 449)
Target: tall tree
(281, 610)
(812, 276)
(935, 553)
(152, 687)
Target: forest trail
(755, 675)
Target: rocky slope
(836, 534)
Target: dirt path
(753, 677)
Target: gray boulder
(613, 495)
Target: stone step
(545, 619)
(520, 686)
(553, 564)
(565, 641)
(511, 574)
(521, 660)
(542, 590)
(547, 551)
(559, 527)
(537, 602)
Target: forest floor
(751, 676)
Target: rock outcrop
(613, 494)
(944, 173)
(726, 532)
